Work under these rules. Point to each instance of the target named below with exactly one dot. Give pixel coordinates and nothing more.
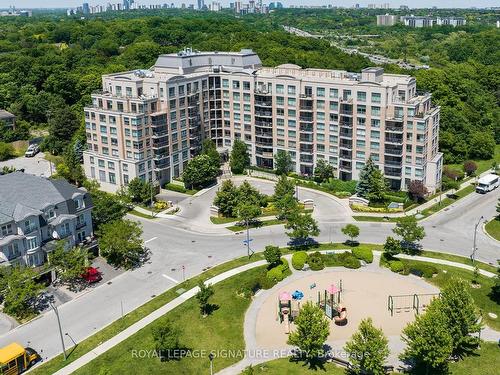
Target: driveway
(36, 165)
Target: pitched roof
(22, 195)
(5, 114)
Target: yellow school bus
(14, 359)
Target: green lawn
(140, 214)
(482, 165)
(119, 325)
(493, 228)
(222, 220)
(290, 367)
(458, 259)
(237, 228)
(179, 188)
(448, 201)
(222, 330)
(485, 361)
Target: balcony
(306, 148)
(308, 128)
(306, 105)
(393, 139)
(396, 151)
(345, 124)
(263, 112)
(308, 159)
(346, 145)
(263, 134)
(80, 224)
(265, 154)
(306, 138)
(347, 155)
(392, 172)
(394, 125)
(345, 134)
(306, 118)
(393, 162)
(345, 166)
(159, 134)
(264, 123)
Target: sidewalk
(134, 328)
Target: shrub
(425, 270)
(265, 282)
(337, 185)
(396, 266)
(284, 266)
(315, 261)
(6, 151)
(332, 260)
(363, 254)
(275, 274)
(348, 260)
(343, 194)
(299, 259)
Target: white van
(487, 183)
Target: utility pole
(474, 246)
(60, 329)
(211, 358)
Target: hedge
(348, 260)
(425, 270)
(360, 208)
(396, 266)
(363, 254)
(299, 259)
(175, 187)
(315, 261)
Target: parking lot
(36, 165)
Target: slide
(287, 323)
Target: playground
(346, 297)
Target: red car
(92, 275)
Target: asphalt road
(191, 241)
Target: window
(78, 204)
(6, 230)
(29, 226)
(334, 93)
(112, 178)
(361, 96)
(246, 85)
(236, 85)
(292, 102)
(280, 100)
(291, 90)
(51, 213)
(225, 83)
(320, 91)
(375, 111)
(31, 243)
(361, 109)
(376, 97)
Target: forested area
(465, 66)
(50, 64)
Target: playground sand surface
(365, 294)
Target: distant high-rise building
(201, 4)
(387, 20)
(85, 8)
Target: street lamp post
(474, 246)
(211, 358)
(60, 329)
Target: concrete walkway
(134, 328)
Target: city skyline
(422, 4)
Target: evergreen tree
(323, 171)
(283, 187)
(368, 349)
(227, 199)
(371, 184)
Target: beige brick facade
(149, 123)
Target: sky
(414, 3)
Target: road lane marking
(151, 239)
(170, 278)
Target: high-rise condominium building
(387, 20)
(149, 123)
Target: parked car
(92, 275)
(32, 151)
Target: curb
(487, 234)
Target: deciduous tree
(70, 264)
(200, 172)
(408, 229)
(282, 162)
(470, 167)
(209, 148)
(166, 337)
(351, 230)
(272, 254)
(226, 199)
(203, 296)
(428, 342)
(368, 349)
(417, 190)
(323, 171)
(301, 226)
(239, 159)
(121, 244)
(311, 332)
